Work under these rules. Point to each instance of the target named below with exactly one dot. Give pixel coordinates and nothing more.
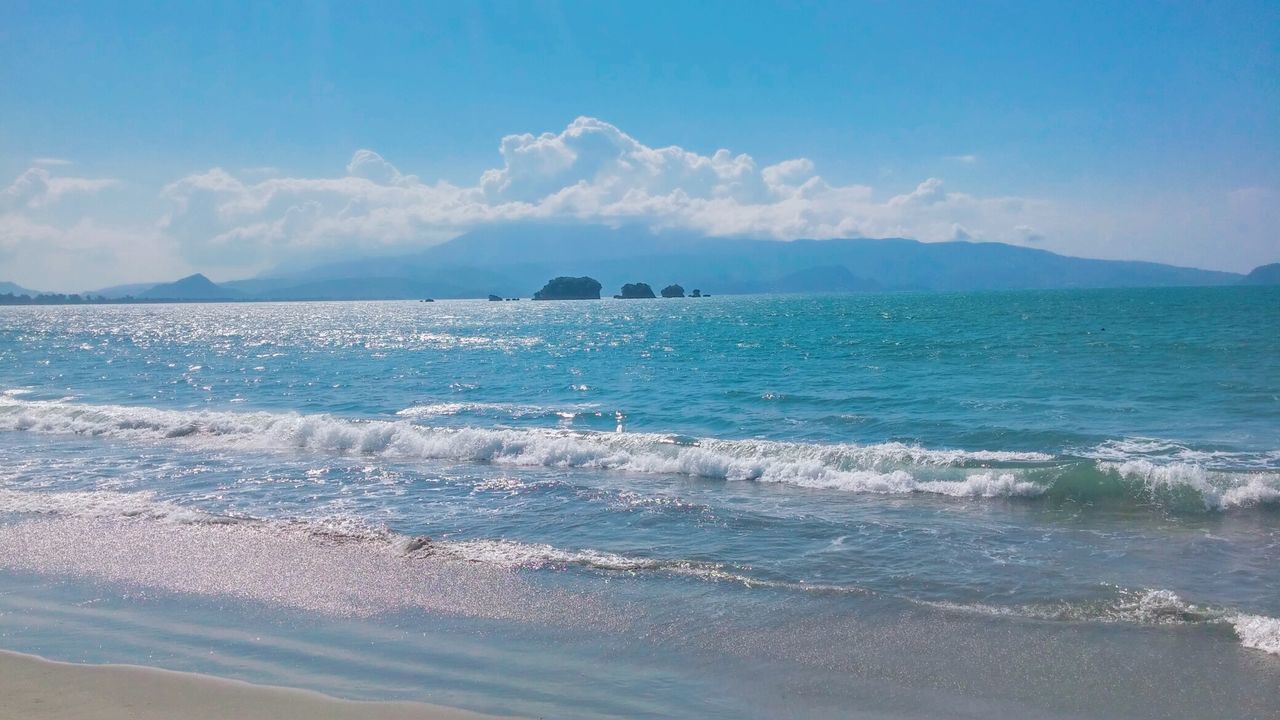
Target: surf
(891, 468)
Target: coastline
(34, 688)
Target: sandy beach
(33, 688)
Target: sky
(144, 141)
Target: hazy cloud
(37, 187)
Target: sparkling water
(1033, 504)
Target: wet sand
(32, 688)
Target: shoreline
(35, 688)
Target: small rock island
(569, 288)
(673, 291)
(636, 291)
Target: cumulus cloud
(232, 223)
(591, 171)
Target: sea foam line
(882, 468)
(885, 468)
(496, 553)
(1144, 607)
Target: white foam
(505, 410)
(1258, 632)
(1168, 452)
(985, 485)
(1217, 490)
(883, 468)
(100, 504)
(495, 553)
(1142, 607)
(1151, 606)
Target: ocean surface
(1008, 504)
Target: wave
(885, 468)
(499, 553)
(1216, 489)
(1140, 607)
(1169, 452)
(508, 411)
(1258, 632)
(1143, 607)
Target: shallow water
(901, 505)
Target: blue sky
(157, 139)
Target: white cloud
(1029, 234)
(236, 223)
(37, 188)
(50, 243)
(50, 161)
(966, 159)
(590, 172)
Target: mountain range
(8, 288)
(513, 261)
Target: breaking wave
(1140, 607)
(1258, 632)
(504, 411)
(885, 468)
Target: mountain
(8, 288)
(119, 291)
(1263, 275)
(389, 279)
(514, 260)
(192, 287)
(824, 279)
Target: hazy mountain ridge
(192, 287)
(1264, 275)
(519, 259)
(513, 261)
(11, 288)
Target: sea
(1031, 504)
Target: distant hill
(385, 281)
(1263, 275)
(824, 279)
(515, 260)
(8, 288)
(192, 287)
(120, 291)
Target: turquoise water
(905, 504)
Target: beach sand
(32, 688)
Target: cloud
(48, 242)
(234, 223)
(967, 159)
(1029, 234)
(50, 161)
(591, 171)
(371, 166)
(37, 187)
